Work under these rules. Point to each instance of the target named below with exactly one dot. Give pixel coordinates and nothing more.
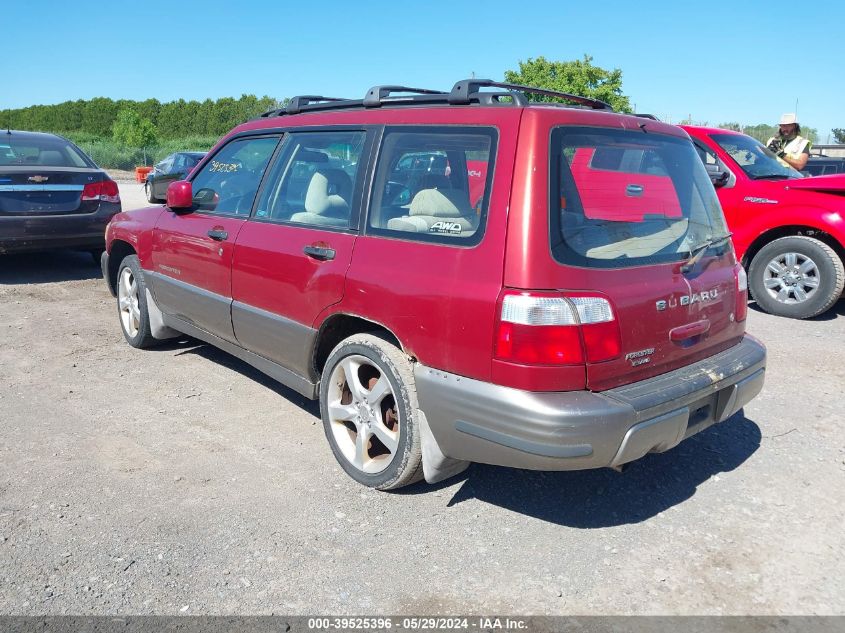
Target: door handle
(218, 234)
(322, 253)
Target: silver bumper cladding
(481, 422)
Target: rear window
(623, 198)
(41, 152)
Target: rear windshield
(41, 152)
(622, 198)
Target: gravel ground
(180, 480)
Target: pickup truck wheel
(132, 304)
(148, 190)
(368, 403)
(797, 277)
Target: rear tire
(132, 304)
(368, 402)
(797, 277)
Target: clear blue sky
(716, 61)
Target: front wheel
(797, 277)
(132, 304)
(368, 403)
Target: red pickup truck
(788, 230)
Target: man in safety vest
(791, 149)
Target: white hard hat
(788, 119)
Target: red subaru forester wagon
(458, 276)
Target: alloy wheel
(791, 278)
(363, 414)
(127, 298)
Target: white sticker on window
(445, 227)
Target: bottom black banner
(408, 624)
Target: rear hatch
(41, 191)
(635, 220)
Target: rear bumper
(482, 422)
(33, 233)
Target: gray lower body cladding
(279, 347)
(207, 310)
(482, 422)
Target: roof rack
(643, 115)
(379, 94)
(464, 90)
(296, 104)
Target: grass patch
(111, 155)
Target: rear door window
(623, 198)
(432, 184)
(313, 182)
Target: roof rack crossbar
(463, 91)
(377, 94)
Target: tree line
(173, 119)
(98, 118)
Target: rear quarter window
(433, 184)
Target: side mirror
(718, 177)
(180, 195)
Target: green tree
(761, 131)
(839, 134)
(578, 77)
(132, 131)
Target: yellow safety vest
(793, 148)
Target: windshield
(623, 198)
(754, 158)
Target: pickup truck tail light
(555, 329)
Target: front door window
(228, 182)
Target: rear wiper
(696, 252)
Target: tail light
(555, 329)
(105, 191)
(741, 293)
